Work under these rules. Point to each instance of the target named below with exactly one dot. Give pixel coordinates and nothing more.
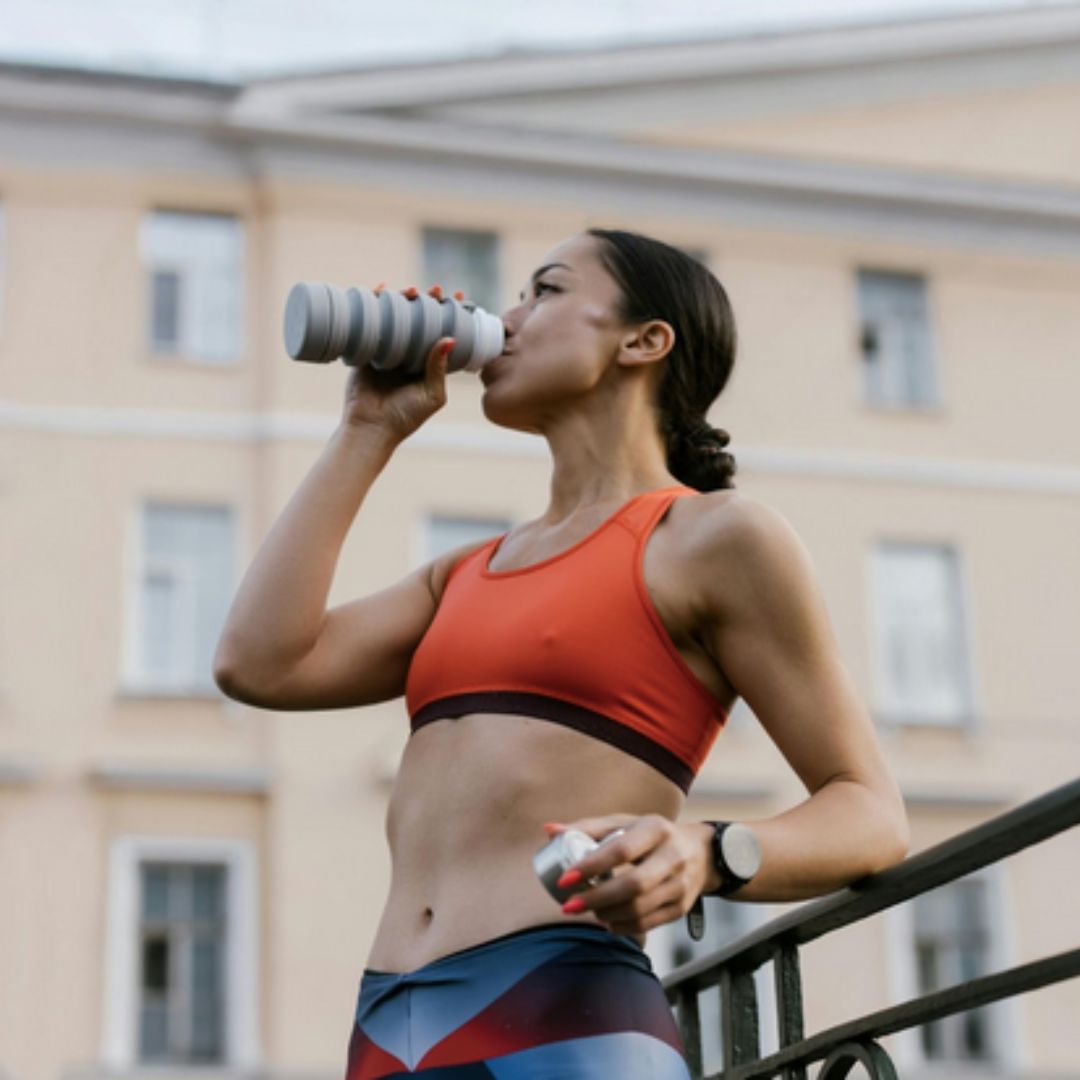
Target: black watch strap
(737, 857)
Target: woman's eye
(544, 285)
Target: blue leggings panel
(553, 1002)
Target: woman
(573, 672)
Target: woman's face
(560, 338)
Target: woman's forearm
(279, 609)
(843, 832)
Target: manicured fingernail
(554, 825)
(448, 347)
(573, 905)
(381, 285)
(459, 295)
(570, 878)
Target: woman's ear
(647, 343)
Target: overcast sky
(236, 38)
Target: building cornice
(489, 440)
(50, 118)
(799, 48)
(755, 175)
(951, 798)
(191, 779)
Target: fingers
(412, 291)
(664, 914)
(596, 827)
(641, 836)
(657, 886)
(435, 373)
(638, 904)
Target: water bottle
(386, 330)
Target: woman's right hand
(394, 406)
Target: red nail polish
(573, 905)
(569, 879)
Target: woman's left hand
(667, 870)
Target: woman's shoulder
(725, 529)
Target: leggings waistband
(572, 932)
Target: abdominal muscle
(466, 817)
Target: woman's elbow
(895, 835)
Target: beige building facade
(189, 883)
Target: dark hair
(658, 281)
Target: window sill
(965, 725)
(192, 360)
(133, 691)
(173, 1072)
(902, 410)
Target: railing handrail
(1001, 836)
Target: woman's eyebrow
(546, 266)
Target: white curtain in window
(899, 359)
(186, 589)
(921, 651)
(205, 255)
(463, 259)
(444, 533)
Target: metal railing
(732, 968)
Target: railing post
(789, 1007)
(689, 1019)
(738, 996)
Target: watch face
(741, 849)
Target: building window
(3, 260)
(898, 357)
(195, 285)
(184, 588)
(443, 533)
(952, 945)
(670, 945)
(180, 954)
(181, 971)
(463, 259)
(921, 649)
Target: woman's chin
(505, 415)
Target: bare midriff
(472, 794)
(466, 817)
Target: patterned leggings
(552, 1002)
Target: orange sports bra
(574, 639)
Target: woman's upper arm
(768, 629)
(363, 651)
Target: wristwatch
(736, 855)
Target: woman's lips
(486, 370)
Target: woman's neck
(603, 467)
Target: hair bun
(696, 451)
(704, 435)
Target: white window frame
(490, 304)
(185, 351)
(133, 678)
(3, 264)
(1005, 1031)
(884, 711)
(929, 396)
(119, 1048)
(422, 549)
